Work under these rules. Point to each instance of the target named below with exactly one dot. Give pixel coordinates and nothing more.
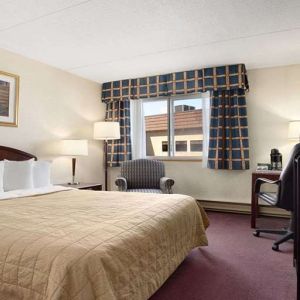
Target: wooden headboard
(14, 154)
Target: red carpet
(235, 266)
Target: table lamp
(106, 131)
(74, 148)
(294, 130)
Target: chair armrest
(260, 181)
(121, 183)
(166, 184)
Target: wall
(273, 100)
(54, 105)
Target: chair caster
(275, 247)
(256, 233)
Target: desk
(271, 175)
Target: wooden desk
(271, 175)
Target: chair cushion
(154, 191)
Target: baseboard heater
(243, 208)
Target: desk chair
(283, 198)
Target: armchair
(144, 175)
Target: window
(156, 127)
(196, 146)
(172, 126)
(186, 124)
(164, 146)
(181, 146)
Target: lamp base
(74, 183)
(73, 173)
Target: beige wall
(273, 100)
(54, 105)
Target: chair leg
(272, 231)
(289, 235)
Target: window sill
(182, 159)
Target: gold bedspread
(94, 245)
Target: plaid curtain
(119, 150)
(228, 143)
(228, 146)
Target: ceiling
(106, 40)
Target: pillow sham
(1, 175)
(18, 175)
(41, 173)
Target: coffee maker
(276, 159)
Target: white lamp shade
(294, 130)
(75, 147)
(106, 131)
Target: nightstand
(84, 186)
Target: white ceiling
(107, 40)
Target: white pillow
(41, 173)
(1, 175)
(18, 175)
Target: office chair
(283, 198)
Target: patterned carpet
(235, 266)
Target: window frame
(170, 131)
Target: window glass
(156, 127)
(181, 146)
(164, 146)
(187, 125)
(173, 126)
(196, 146)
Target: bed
(70, 244)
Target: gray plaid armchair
(144, 175)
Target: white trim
(205, 128)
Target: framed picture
(9, 99)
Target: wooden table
(271, 175)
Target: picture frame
(9, 99)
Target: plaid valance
(179, 83)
